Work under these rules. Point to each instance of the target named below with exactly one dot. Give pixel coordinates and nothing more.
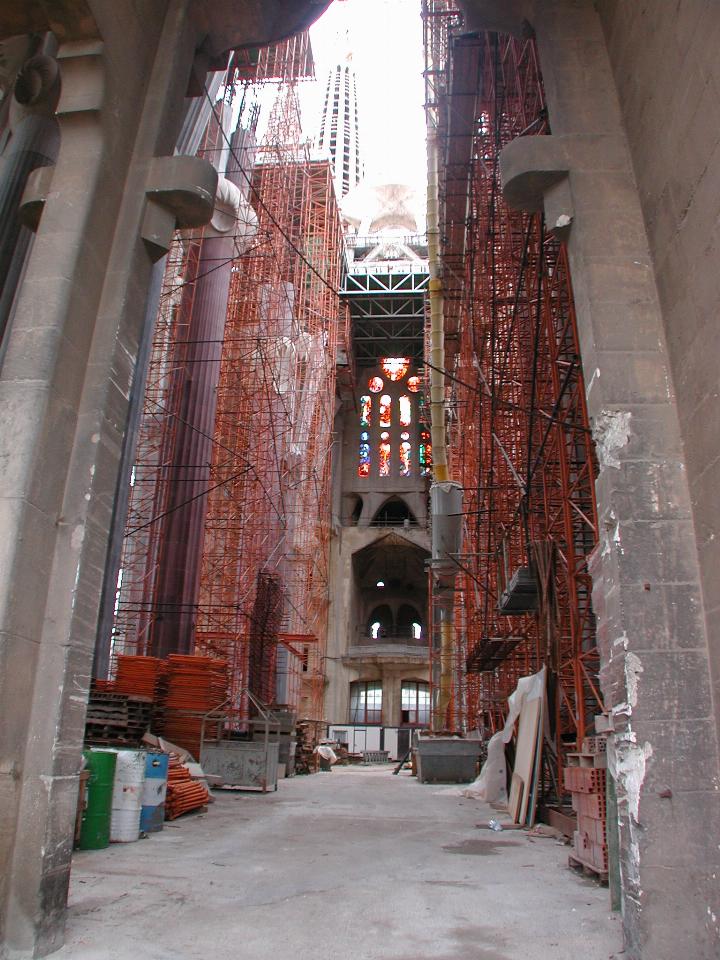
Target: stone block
(645, 490)
(673, 685)
(683, 752)
(18, 661)
(675, 921)
(27, 544)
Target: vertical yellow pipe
(437, 406)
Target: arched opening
(380, 623)
(409, 622)
(356, 511)
(394, 512)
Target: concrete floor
(352, 865)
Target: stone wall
(664, 58)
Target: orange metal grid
(265, 560)
(521, 443)
(268, 521)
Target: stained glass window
(425, 453)
(414, 384)
(375, 384)
(365, 411)
(405, 450)
(385, 403)
(395, 368)
(405, 411)
(364, 465)
(384, 462)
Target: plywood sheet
(516, 794)
(526, 749)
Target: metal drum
(95, 826)
(127, 796)
(152, 814)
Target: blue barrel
(152, 812)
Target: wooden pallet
(587, 869)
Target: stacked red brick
(585, 779)
(183, 793)
(195, 687)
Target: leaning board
(528, 730)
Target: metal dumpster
(447, 759)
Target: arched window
(425, 453)
(393, 441)
(364, 454)
(380, 622)
(365, 410)
(406, 619)
(405, 455)
(384, 455)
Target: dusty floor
(353, 865)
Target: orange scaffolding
(264, 543)
(520, 440)
(265, 560)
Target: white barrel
(127, 796)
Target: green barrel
(95, 827)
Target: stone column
(63, 406)
(655, 667)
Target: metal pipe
(437, 325)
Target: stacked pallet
(183, 793)
(585, 778)
(308, 733)
(115, 719)
(195, 687)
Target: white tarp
(490, 785)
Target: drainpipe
(445, 495)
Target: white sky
(386, 39)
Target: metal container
(95, 826)
(127, 796)
(252, 765)
(447, 759)
(152, 811)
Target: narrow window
(384, 460)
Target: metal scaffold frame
(519, 433)
(263, 547)
(265, 562)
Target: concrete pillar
(63, 401)
(655, 669)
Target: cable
(260, 201)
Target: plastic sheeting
(491, 784)
(327, 753)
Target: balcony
(401, 650)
